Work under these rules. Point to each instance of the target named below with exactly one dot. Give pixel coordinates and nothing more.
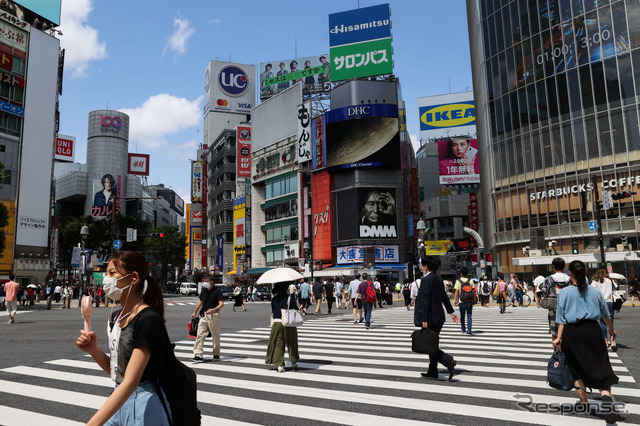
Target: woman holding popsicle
(138, 343)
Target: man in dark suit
(429, 313)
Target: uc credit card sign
(447, 115)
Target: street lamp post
(309, 255)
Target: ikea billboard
(440, 114)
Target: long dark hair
(579, 271)
(127, 262)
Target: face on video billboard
(458, 161)
(377, 213)
(363, 136)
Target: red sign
(64, 148)
(473, 216)
(321, 185)
(11, 80)
(243, 157)
(138, 164)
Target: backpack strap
(164, 405)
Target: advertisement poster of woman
(104, 197)
(458, 161)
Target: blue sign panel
(12, 109)
(362, 111)
(117, 244)
(233, 80)
(447, 115)
(593, 225)
(220, 246)
(410, 224)
(354, 26)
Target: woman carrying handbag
(579, 308)
(281, 334)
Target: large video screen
(458, 161)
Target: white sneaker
(280, 369)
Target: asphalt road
(39, 336)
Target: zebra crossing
(347, 375)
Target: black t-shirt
(329, 289)
(145, 329)
(317, 290)
(210, 298)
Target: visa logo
(447, 115)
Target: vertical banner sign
(473, 216)
(220, 245)
(204, 207)
(306, 212)
(243, 157)
(321, 222)
(319, 152)
(414, 191)
(196, 181)
(304, 132)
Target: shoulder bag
(291, 317)
(618, 298)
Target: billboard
(48, 9)
(107, 190)
(65, 149)
(444, 116)
(196, 181)
(229, 87)
(304, 132)
(458, 161)
(355, 254)
(314, 72)
(138, 164)
(34, 188)
(243, 156)
(321, 220)
(377, 213)
(363, 136)
(360, 42)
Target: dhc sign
(233, 80)
(447, 115)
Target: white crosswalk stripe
(348, 375)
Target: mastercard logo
(222, 104)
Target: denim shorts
(142, 408)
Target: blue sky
(147, 58)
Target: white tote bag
(291, 317)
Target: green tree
(168, 249)
(143, 227)
(4, 214)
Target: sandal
(614, 347)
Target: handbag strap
(288, 302)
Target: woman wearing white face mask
(138, 342)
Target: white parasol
(278, 275)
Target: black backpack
(466, 291)
(179, 385)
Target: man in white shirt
(415, 286)
(338, 293)
(356, 303)
(537, 286)
(376, 285)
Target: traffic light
(622, 195)
(574, 248)
(161, 235)
(157, 235)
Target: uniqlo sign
(138, 164)
(65, 148)
(243, 157)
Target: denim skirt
(142, 408)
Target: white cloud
(161, 115)
(184, 151)
(214, 21)
(177, 41)
(80, 41)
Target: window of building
(281, 233)
(282, 186)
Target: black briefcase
(425, 341)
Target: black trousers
(329, 302)
(441, 357)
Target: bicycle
(522, 298)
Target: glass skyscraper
(557, 85)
